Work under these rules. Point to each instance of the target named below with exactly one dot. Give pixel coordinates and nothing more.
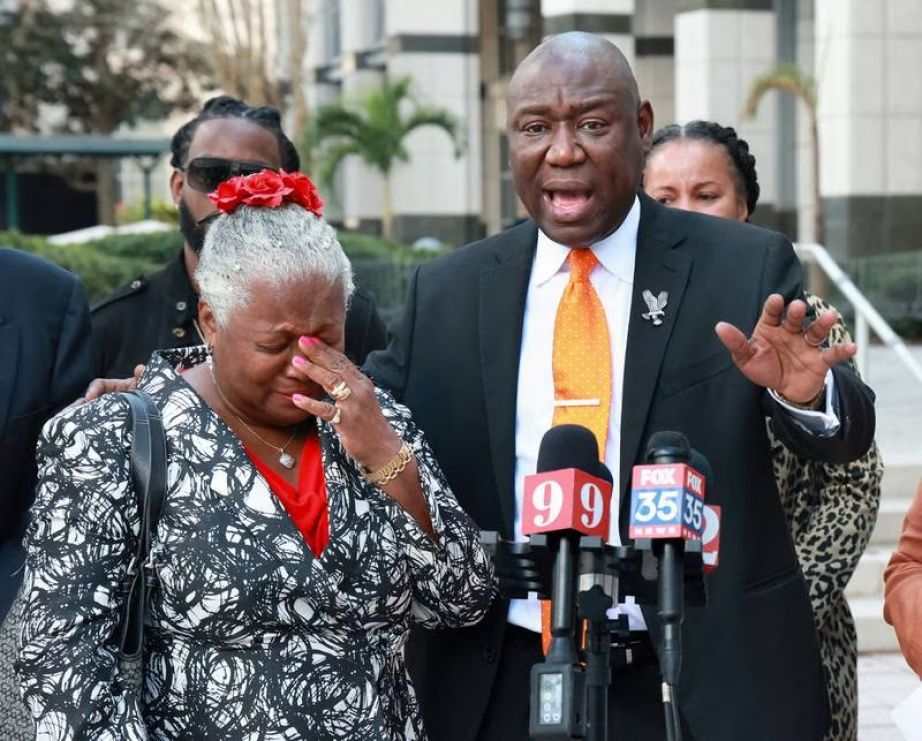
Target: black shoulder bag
(147, 461)
(148, 473)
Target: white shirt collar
(615, 253)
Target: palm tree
(789, 78)
(374, 129)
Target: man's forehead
(568, 76)
(234, 138)
(567, 94)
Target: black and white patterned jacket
(251, 636)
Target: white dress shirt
(613, 281)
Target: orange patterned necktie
(582, 367)
(582, 353)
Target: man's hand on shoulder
(100, 386)
(783, 354)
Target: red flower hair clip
(268, 189)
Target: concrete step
(868, 579)
(890, 521)
(873, 633)
(900, 481)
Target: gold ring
(807, 340)
(341, 391)
(337, 417)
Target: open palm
(782, 354)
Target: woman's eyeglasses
(204, 174)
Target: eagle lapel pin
(656, 306)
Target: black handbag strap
(148, 474)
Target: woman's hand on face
(364, 432)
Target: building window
(378, 27)
(509, 201)
(332, 39)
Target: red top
(306, 505)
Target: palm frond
(438, 118)
(336, 120)
(787, 78)
(373, 128)
(333, 158)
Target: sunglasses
(204, 174)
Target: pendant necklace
(286, 459)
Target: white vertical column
(805, 61)
(612, 19)
(654, 52)
(436, 44)
(360, 186)
(719, 53)
(870, 123)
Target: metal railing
(867, 318)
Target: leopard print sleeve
(831, 508)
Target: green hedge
(893, 284)
(102, 264)
(159, 210)
(381, 266)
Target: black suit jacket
(45, 363)
(751, 666)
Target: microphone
(710, 549)
(569, 497)
(667, 507)
(710, 535)
(564, 500)
(571, 491)
(593, 567)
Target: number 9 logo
(547, 499)
(593, 505)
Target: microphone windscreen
(568, 446)
(667, 443)
(703, 466)
(604, 473)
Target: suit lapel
(503, 288)
(9, 357)
(658, 267)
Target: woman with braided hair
(831, 509)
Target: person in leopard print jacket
(831, 509)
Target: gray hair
(272, 245)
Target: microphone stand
(594, 600)
(563, 614)
(671, 602)
(569, 689)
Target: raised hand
(784, 355)
(355, 413)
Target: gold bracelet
(816, 403)
(392, 469)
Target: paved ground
(899, 406)
(883, 681)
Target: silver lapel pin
(655, 304)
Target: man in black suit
(45, 363)
(227, 138)
(471, 357)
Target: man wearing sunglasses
(225, 139)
